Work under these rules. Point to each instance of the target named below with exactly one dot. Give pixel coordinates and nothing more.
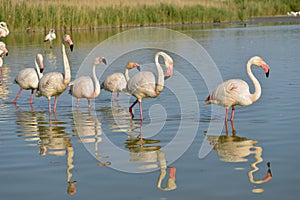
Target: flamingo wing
(114, 83)
(82, 87)
(27, 79)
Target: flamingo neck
(160, 80)
(38, 70)
(257, 89)
(96, 82)
(127, 75)
(67, 77)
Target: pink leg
(31, 96)
(226, 127)
(232, 126)
(55, 103)
(130, 109)
(226, 115)
(141, 111)
(117, 97)
(232, 113)
(15, 100)
(89, 103)
(49, 104)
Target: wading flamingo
(50, 36)
(86, 86)
(145, 85)
(235, 92)
(116, 82)
(3, 51)
(28, 78)
(55, 83)
(3, 29)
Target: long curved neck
(38, 70)
(96, 82)
(160, 80)
(127, 75)
(257, 88)
(67, 77)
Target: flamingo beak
(41, 67)
(266, 68)
(138, 68)
(169, 71)
(71, 47)
(104, 61)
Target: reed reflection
(50, 137)
(148, 153)
(234, 149)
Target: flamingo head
(3, 24)
(40, 59)
(258, 61)
(131, 65)
(3, 49)
(68, 39)
(98, 60)
(169, 66)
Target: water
(48, 157)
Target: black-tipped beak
(6, 54)
(166, 77)
(267, 74)
(71, 47)
(41, 70)
(104, 60)
(138, 68)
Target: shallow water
(96, 154)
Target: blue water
(44, 156)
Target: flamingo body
(116, 82)
(146, 84)
(28, 78)
(50, 36)
(3, 29)
(86, 86)
(235, 92)
(55, 83)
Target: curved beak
(138, 68)
(266, 68)
(169, 71)
(104, 60)
(71, 47)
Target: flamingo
(144, 84)
(86, 86)
(3, 51)
(116, 82)
(235, 92)
(3, 29)
(50, 36)
(28, 78)
(55, 83)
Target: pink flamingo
(144, 84)
(50, 36)
(117, 82)
(55, 83)
(86, 86)
(28, 78)
(3, 51)
(235, 92)
(3, 29)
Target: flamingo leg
(117, 97)
(55, 103)
(141, 110)
(31, 96)
(233, 129)
(15, 100)
(226, 128)
(226, 115)
(89, 103)
(49, 104)
(232, 113)
(130, 109)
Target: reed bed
(91, 14)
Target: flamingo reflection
(50, 137)
(236, 149)
(149, 154)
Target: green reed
(41, 16)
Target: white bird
(3, 29)
(144, 84)
(116, 82)
(235, 92)
(3, 51)
(86, 86)
(28, 78)
(55, 83)
(50, 36)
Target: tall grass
(90, 14)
